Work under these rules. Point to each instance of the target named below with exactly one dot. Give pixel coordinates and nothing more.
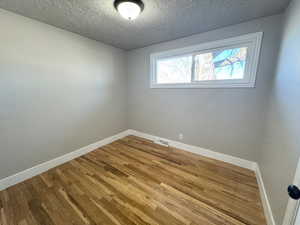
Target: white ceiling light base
(129, 9)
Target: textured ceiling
(161, 20)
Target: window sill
(201, 86)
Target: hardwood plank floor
(134, 181)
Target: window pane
(221, 65)
(174, 70)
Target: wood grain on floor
(134, 181)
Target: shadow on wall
(280, 152)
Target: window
(220, 64)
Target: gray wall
(281, 149)
(224, 120)
(58, 92)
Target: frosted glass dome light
(129, 9)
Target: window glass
(228, 63)
(220, 65)
(174, 70)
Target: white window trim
(252, 41)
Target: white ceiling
(161, 20)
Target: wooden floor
(133, 181)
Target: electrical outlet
(180, 136)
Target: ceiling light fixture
(129, 9)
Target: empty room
(149, 112)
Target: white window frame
(251, 41)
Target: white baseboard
(198, 150)
(38, 169)
(264, 197)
